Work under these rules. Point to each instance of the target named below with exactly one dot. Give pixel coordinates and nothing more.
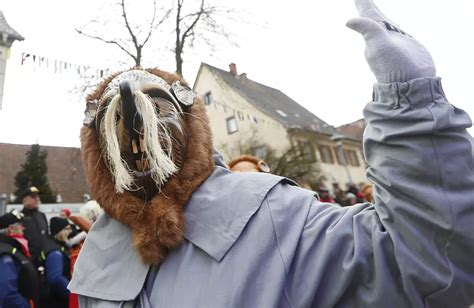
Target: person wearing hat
(76, 235)
(351, 199)
(35, 223)
(354, 190)
(19, 283)
(324, 195)
(57, 262)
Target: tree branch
(127, 25)
(193, 24)
(106, 41)
(153, 25)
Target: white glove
(392, 54)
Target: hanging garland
(59, 66)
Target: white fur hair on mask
(155, 133)
(118, 167)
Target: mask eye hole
(158, 93)
(163, 106)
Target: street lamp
(338, 137)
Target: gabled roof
(273, 102)
(5, 28)
(354, 130)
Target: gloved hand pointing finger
(392, 54)
(369, 28)
(368, 9)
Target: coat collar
(219, 210)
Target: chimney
(233, 69)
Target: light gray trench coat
(256, 240)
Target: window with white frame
(353, 159)
(207, 98)
(326, 154)
(231, 125)
(340, 155)
(307, 151)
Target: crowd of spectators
(37, 257)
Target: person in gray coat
(257, 240)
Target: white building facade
(242, 111)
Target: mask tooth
(134, 147)
(139, 165)
(142, 145)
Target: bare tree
(197, 23)
(291, 163)
(194, 22)
(135, 51)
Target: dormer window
(281, 113)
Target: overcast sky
(300, 47)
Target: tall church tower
(7, 36)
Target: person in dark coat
(19, 283)
(35, 222)
(58, 262)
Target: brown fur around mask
(157, 225)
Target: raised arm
(415, 246)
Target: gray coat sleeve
(415, 246)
